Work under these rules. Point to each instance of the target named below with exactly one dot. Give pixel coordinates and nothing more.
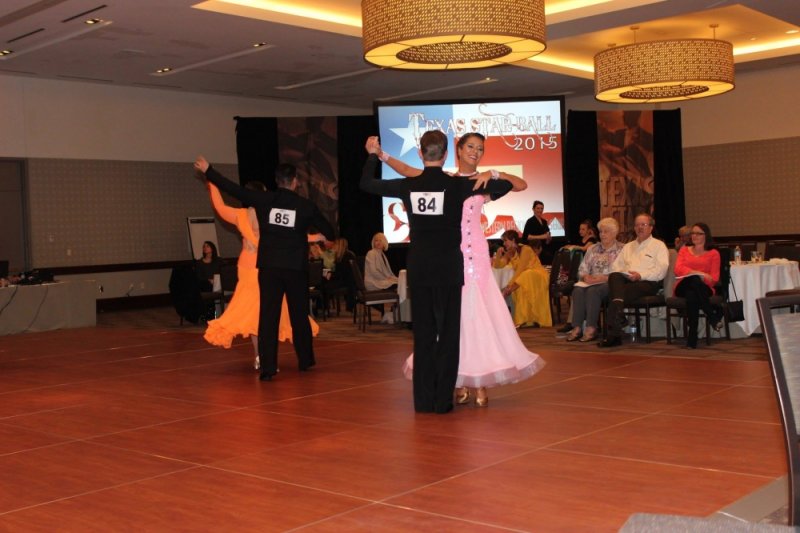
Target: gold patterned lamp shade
(663, 71)
(451, 34)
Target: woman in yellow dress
(241, 314)
(530, 285)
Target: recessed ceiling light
(60, 39)
(93, 21)
(6, 52)
(257, 47)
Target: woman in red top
(697, 270)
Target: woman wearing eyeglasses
(697, 272)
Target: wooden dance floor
(148, 428)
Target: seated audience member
(328, 254)
(683, 237)
(207, 266)
(637, 271)
(378, 274)
(592, 287)
(587, 234)
(697, 272)
(529, 286)
(341, 274)
(314, 252)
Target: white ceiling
(146, 35)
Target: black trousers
(437, 329)
(622, 291)
(697, 296)
(273, 284)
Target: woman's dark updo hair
(464, 138)
(709, 244)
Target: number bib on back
(282, 217)
(427, 203)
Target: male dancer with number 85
(284, 218)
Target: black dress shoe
(566, 328)
(265, 377)
(610, 342)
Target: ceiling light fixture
(663, 71)
(255, 47)
(451, 34)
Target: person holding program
(591, 290)
(697, 272)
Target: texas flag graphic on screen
(523, 138)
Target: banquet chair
(782, 335)
(365, 298)
(561, 262)
(783, 251)
(676, 305)
(228, 278)
(316, 299)
(644, 305)
(189, 301)
(784, 292)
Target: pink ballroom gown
(491, 351)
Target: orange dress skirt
(241, 314)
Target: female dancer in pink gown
(491, 352)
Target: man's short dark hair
(433, 145)
(284, 174)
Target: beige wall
(74, 120)
(109, 170)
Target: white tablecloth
(754, 280)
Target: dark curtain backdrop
(669, 208)
(359, 213)
(582, 182)
(257, 149)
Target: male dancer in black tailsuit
(283, 221)
(433, 201)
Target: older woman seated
(529, 287)
(592, 287)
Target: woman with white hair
(378, 274)
(592, 287)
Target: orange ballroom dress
(241, 314)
